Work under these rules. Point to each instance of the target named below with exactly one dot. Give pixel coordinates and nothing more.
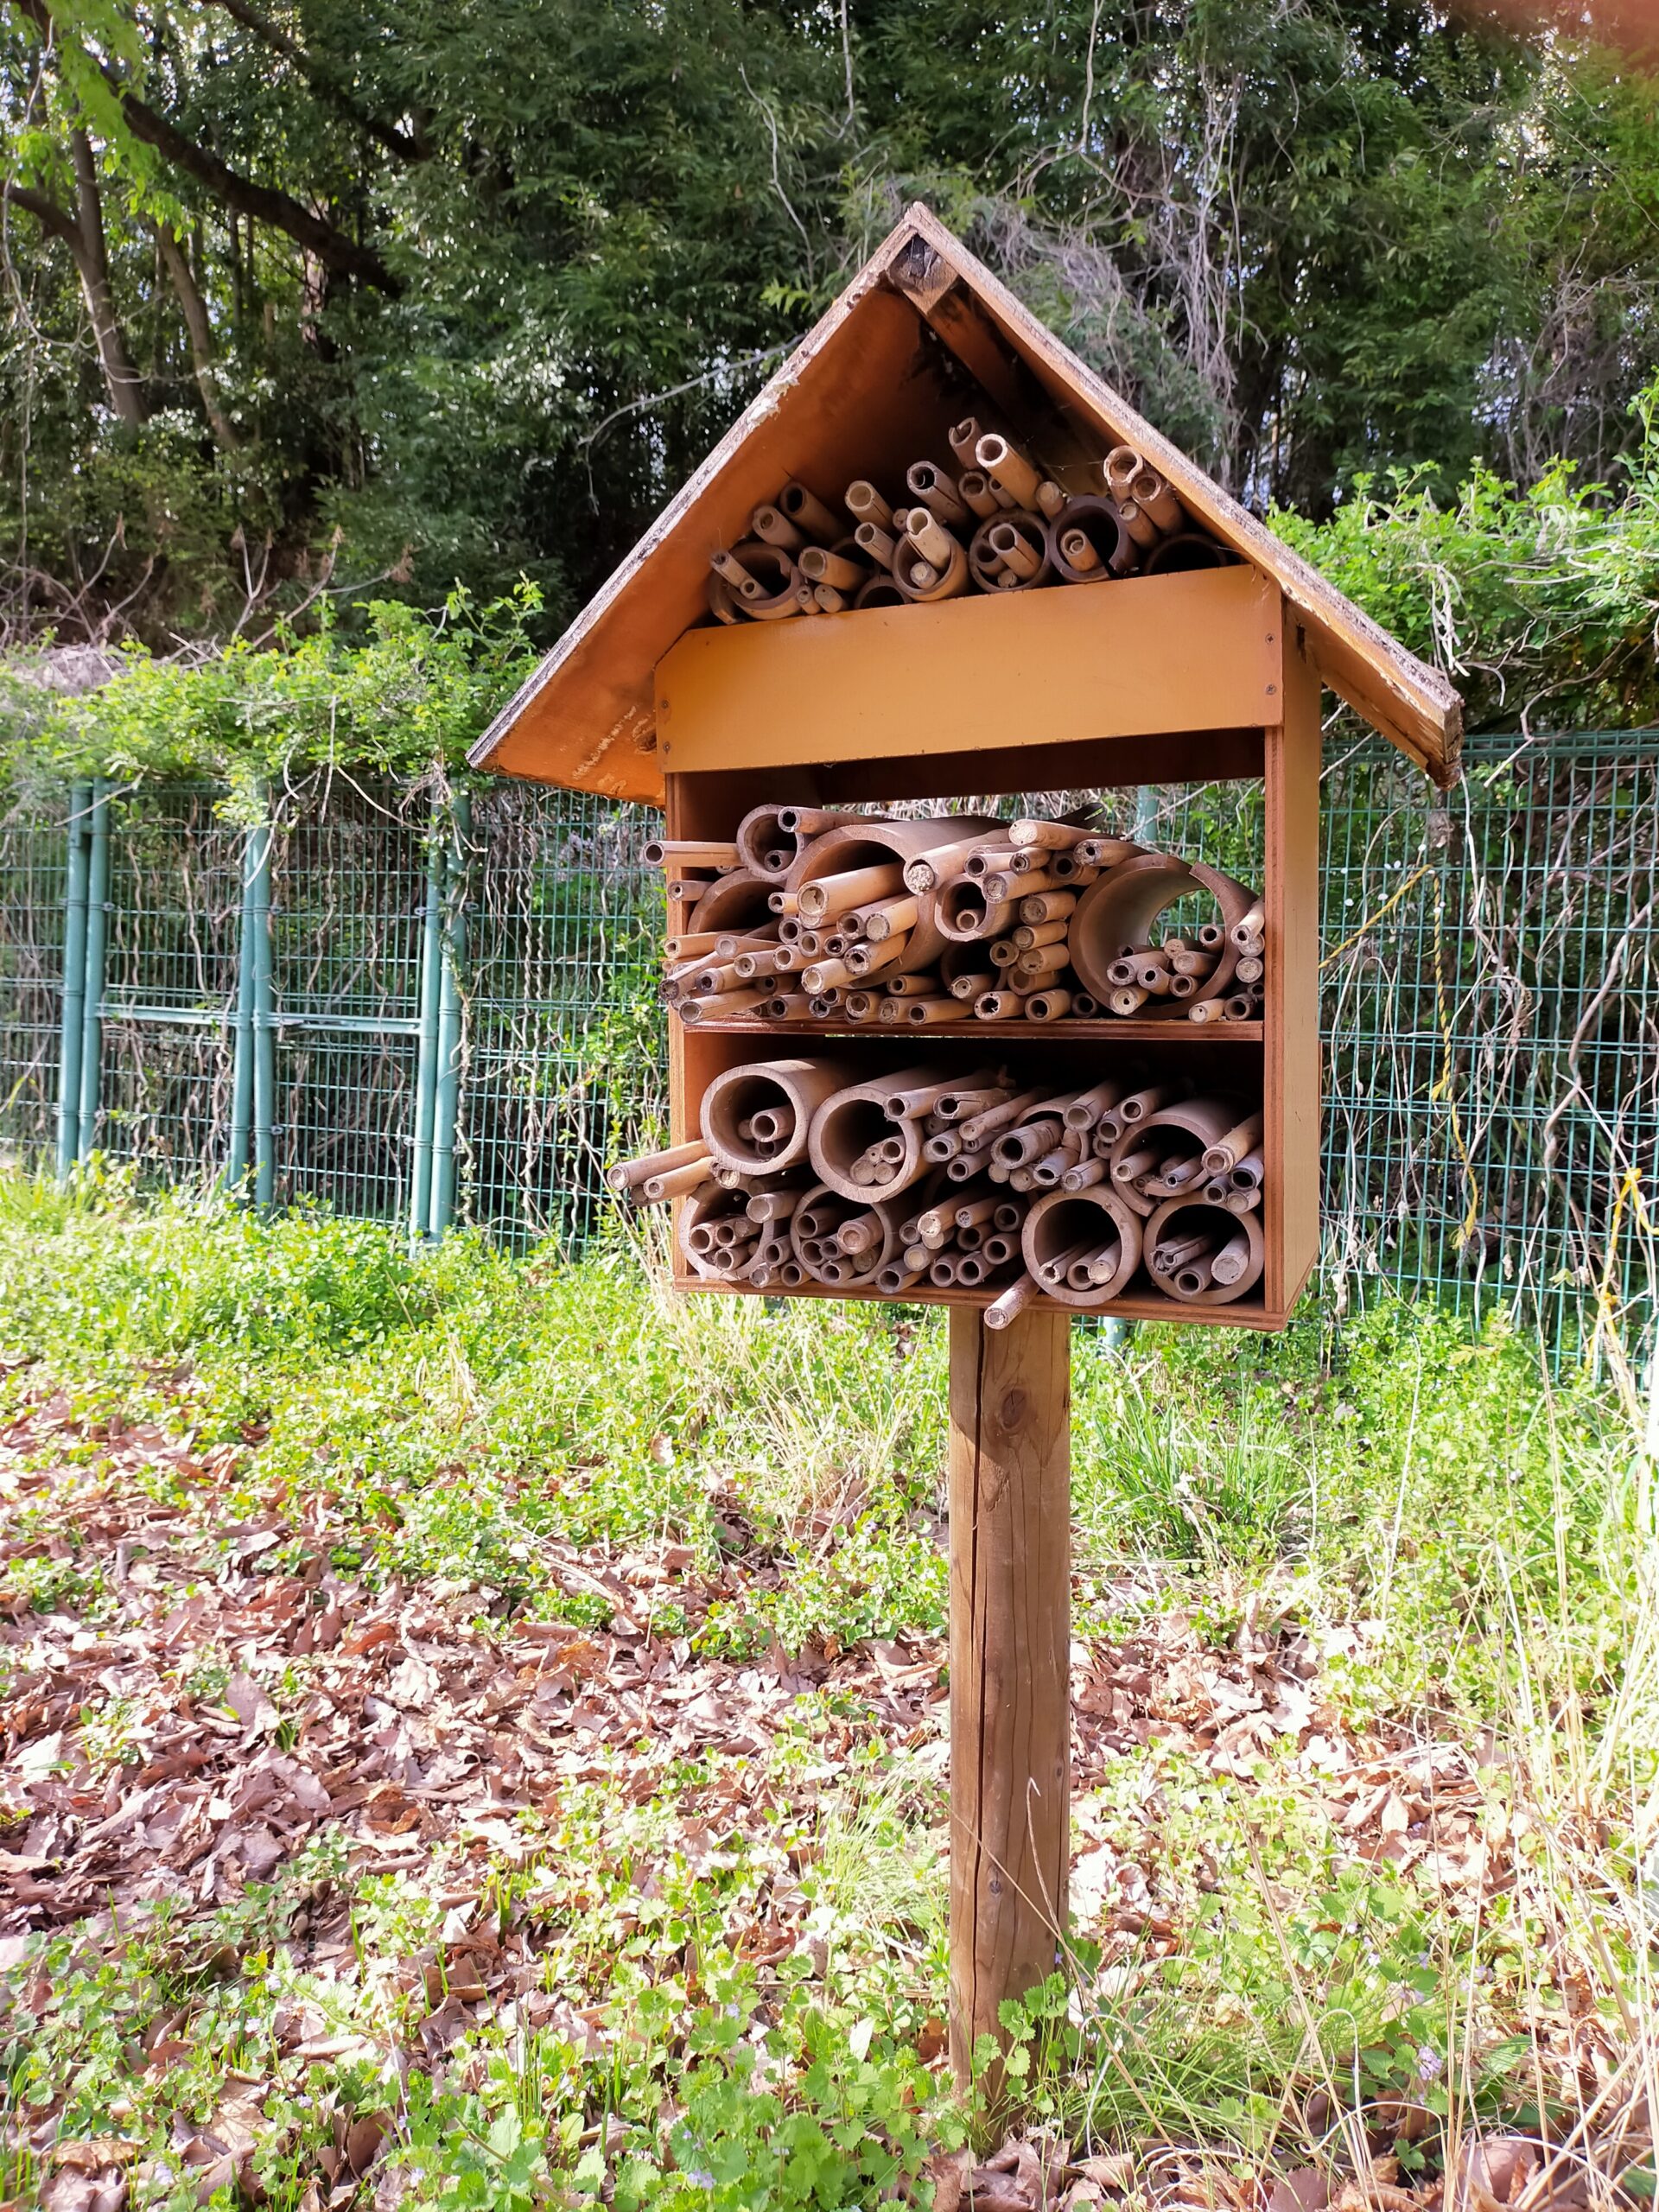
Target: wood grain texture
(1010, 1648)
(1132, 658)
(1291, 1197)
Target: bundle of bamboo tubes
(974, 1178)
(994, 521)
(853, 921)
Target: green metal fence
(442, 1012)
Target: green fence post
(74, 980)
(97, 937)
(263, 1018)
(241, 1145)
(446, 1106)
(426, 1065)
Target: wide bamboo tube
(1094, 1221)
(1121, 908)
(880, 591)
(1186, 1215)
(846, 1125)
(808, 513)
(964, 913)
(797, 1088)
(923, 581)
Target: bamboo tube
(1046, 1170)
(1194, 1277)
(717, 1005)
(999, 1250)
(1038, 961)
(976, 1213)
(826, 976)
(929, 1014)
(962, 913)
(866, 960)
(1206, 1010)
(630, 1175)
(773, 527)
(710, 852)
(1093, 1226)
(1085, 1109)
(894, 1280)
(935, 491)
(879, 544)
(824, 567)
(731, 570)
(1248, 928)
(830, 897)
(675, 1183)
(1151, 492)
(1247, 1173)
(913, 1101)
(1014, 551)
(987, 860)
(1175, 1252)
(923, 581)
(830, 601)
(772, 1205)
(998, 1005)
(723, 602)
(1038, 907)
(1239, 1142)
(805, 822)
(1047, 836)
(1250, 969)
(925, 985)
(866, 505)
(1230, 1262)
(788, 1005)
(1125, 999)
(808, 513)
(1048, 1006)
(1241, 1006)
(980, 1126)
(1194, 965)
(1003, 1311)
(1050, 499)
(967, 1164)
(880, 591)
(1016, 1147)
(771, 570)
(1119, 470)
(862, 1006)
(895, 912)
(973, 985)
(931, 539)
(822, 1004)
(973, 488)
(1083, 1175)
(963, 438)
(1008, 468)
(926, 871)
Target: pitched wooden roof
(869, 390)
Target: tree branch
(340, 255)
(55, 221)
(321, 79)
(200, 331)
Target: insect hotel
(931, 1042)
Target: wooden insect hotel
(928, 1044)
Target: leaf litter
(237, 1699)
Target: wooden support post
(1010, 1648)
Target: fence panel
(1492, 1045)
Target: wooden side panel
(1127, 660)
(1010, 1653)
(1292, 1200)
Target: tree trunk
(200, 333)
(122, 381)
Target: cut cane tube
(866, 505)
(1048, 1006)
(1009, 469)
(823, 897)
(963, 438)
(914, 985)
(1020, 541)
(868, 842)
(779, 583)
(763, 843)
(1003, 1311)
(962, 913)
(730, 569)
(923, 581)
(1121, 908)
(1065, 1225)
(723, 602)
(1152, 494)
(1220, 1158)
(834, 568)
(1178, 1218)
(790, 1091)
(1087, 540)
(876, 543)
(1245, 932)
(773, 527)
(1176, 1131)
(848, 1124)
(631, 1175)
(975, 489)
(935, 491)
(808, 513)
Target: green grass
(1470, 1551)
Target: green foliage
(414, 695)
(1540, 602)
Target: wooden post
(1010, 1648)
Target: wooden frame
(708, 801)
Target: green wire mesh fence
(444, 1012)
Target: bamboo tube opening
(1064, 1226)
(1008, 468)
(1087, 542)
(977, 495)
(866, 505)
(1177, 1219)
(809, 514)
(935, 491)
(773, 527)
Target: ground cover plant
(474, 1735)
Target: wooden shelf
(1126, 1029)
(1143, 1306)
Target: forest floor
(473, 1733)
